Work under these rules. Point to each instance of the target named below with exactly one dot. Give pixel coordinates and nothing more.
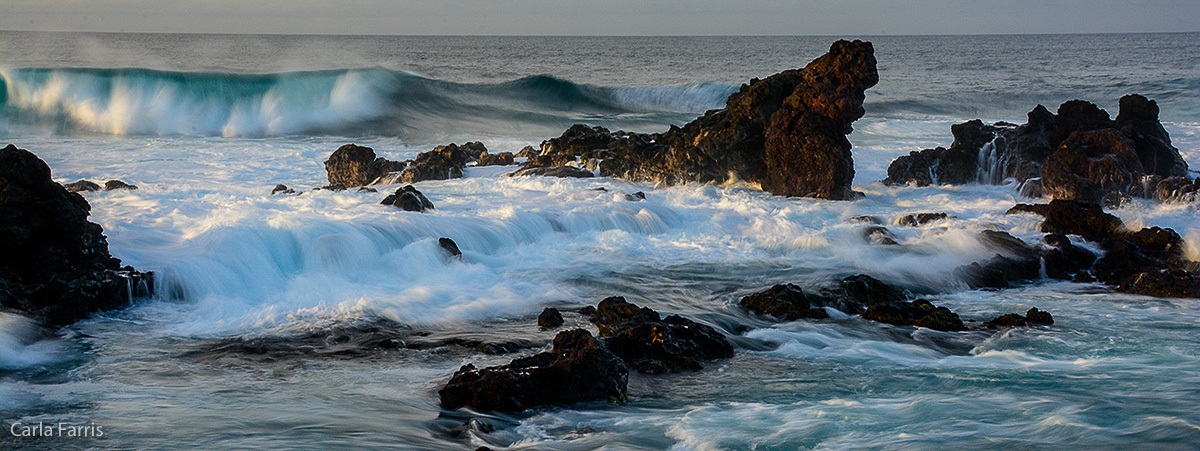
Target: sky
(604, 17)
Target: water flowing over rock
(786, 133)
(1149, 261)
(1077, 154)
(578, 369)
(54, 263)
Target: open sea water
(250, 342)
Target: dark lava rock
(786, 301)
(353, 165)
(282, 189)
(635, 196)
(500, 159)
(1035, 316)
(919, 313)
(578, 369)
(550, 318)
(786, 132)
(1074, 218)
(851, 295)
(1177, 189)
(1090, 165)
(1149, 261)
(1077, 154)
(1014, 261)
(441, 163)
(553, 171)
(588, 311)
(82, 186)
(336, 187)
(409, 199)
(1007, 320)
(367, 189)
(652, 345)
(450, 247)
(920, 219)
(527, 152)
(54, 263)
(1065, 260)
(117, 184)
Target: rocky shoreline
(54, 264)
(786, 134)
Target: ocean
(250, 339)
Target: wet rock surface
(578, 369)
(1077, 154)
(409, 198)
(786, 133)
(352, 165)
(1149, 261)
(655, 345)
(55, 264)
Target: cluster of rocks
(1149, 261)
(786, 133)
(1080, 153)
(870, 298)
(582, 367)
(54, 264)
(84, 186)
(352, 165)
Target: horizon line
(206, 33)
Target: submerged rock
(409, 199)
(1033, 316)
(1077, 154)
(54, 263)
(652, 345)
(282, 189)
(786, 133)
(578, 369)
(555, 171)
(353, 165)
(450, 247)
(920, 219)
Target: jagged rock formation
(786, 133)
(1078, 154)
(54, 263)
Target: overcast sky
(604, 17)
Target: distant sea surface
(250, 343)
